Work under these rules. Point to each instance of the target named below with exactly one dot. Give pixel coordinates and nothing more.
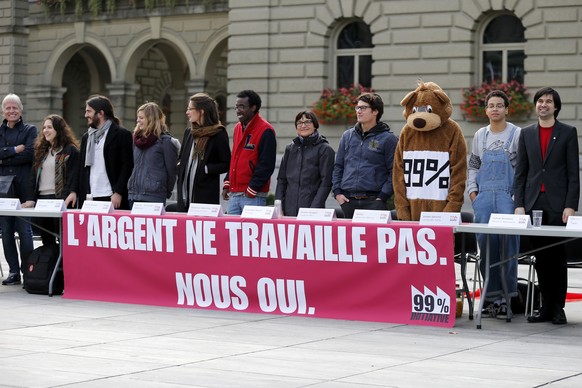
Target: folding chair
(574, 261)
(1, 270)
(471, 252)
(530, 261)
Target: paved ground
(56, 342)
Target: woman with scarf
(55, 171)
(155, 153)
(205, 154)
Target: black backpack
(518, 303)
(39, 269)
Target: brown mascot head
(426, 108)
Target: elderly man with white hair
(16, 157)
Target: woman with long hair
(205, 154)
(154, 157)
(55, 170)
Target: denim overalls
(495, 181)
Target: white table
(27, 215)
(546, 231)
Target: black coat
(207, 178)
(305, 173)
(19, 165)
(118, 153)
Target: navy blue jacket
(19, 165)
(363, 162)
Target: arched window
(502, 50)
(353, 55)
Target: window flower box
(473, 105)
(337, 106)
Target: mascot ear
(410, 97)
(442, 97)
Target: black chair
(529, 260)
(393, 215)
(574, 253)
(470, 250)
(471, 254)
(574, 261)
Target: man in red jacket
(254, 151)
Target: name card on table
(518, 221)
(574, 223)
(372, 216)
(50, 205)
(9, 204)
(205, 210)
(147, 208)
(101, 207)
(259, 212)
(440, 218)
(313, 214)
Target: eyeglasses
(240, 107)
(498, 106)
(189, 109)
(360, 108)
(305, 123)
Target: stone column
(13, 56)
(195, 85)
(123, 98)
(42, 100)
(178, 103)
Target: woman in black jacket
(304, 178)
(204, 154)
(55, 170)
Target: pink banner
(398, 272)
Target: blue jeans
(9, 225)
(485, 203)
(236, 203)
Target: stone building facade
(284, 49)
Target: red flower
(337, 105)
(473, 106)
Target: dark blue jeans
(9, 225)
(371, 203)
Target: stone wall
(13, 47)
(282, 50)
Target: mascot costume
(430, 163)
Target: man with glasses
(362, 174)
(254, 152)
(490, 186)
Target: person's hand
(116, 200)
(225, 192)
(567, 213)
(71, 199)
(19, 148)
(472, 196)
(28, 204)
(341, 199)
(519, 210)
